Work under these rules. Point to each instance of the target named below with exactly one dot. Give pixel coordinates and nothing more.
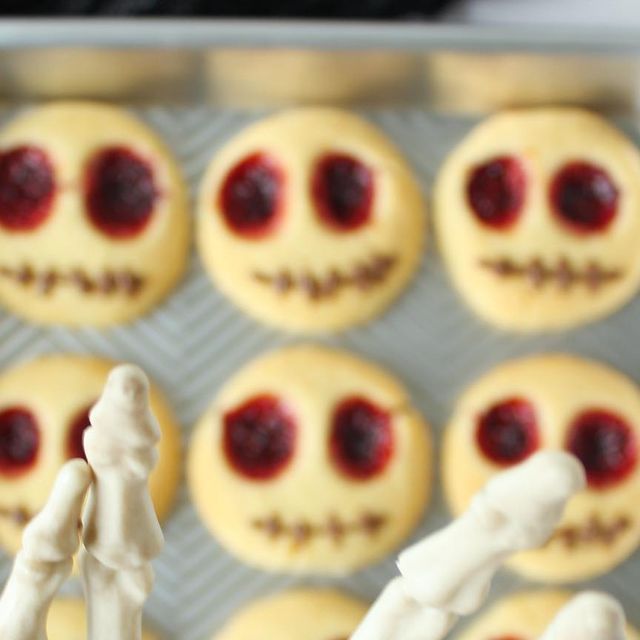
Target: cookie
(68, 621)
(94, 225)
(555, 402)
(44, 407)
(524, 616)
(310, 461)
(299, 614)
(311, 220)
(537, 215)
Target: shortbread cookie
(555, 402)
(68, 621)
(537, 214)
(311, 460)
(300, 614)
(524, 616)
(93, 216)
(311, 220)
(44, 407)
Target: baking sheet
(196, 339)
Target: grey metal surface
(196, 339)
(450, 68)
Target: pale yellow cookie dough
(56, 389)
(524, 616)
(67, 243)
(544, 140)
(601, 527)
(304, 275)
(298, 614)
(68, 621)
(312, 517)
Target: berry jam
(120, 192)
(251, 196)
(27, 188)
(606, 445)
(19, 441)
(507, 433)
(584, 197)
(259, 437)
(496, 192)
(361, 442)
(342, 189)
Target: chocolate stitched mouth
(20, 516)
(364, 275)
(595, 531)
(302, 532)
(45, 282)
(562, 273)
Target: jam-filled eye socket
(251, 198)
(27, 188)
(606, 445)
(259, 437)
(361, 441)
(120, 192)
(19, 441)
(342, 189)
(496, 192)
(79, 423)
(584, 197)
(507, 433)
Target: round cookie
(311, 461)
(555, 402)
(44, 408)
(524, 616)
(94, 226)
(68, 621)
(289, 616)
(311, 220)
(537, 213)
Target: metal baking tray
(198, 83)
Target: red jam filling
(259, 437)
(507, 433)
(27, 188)
(496, 192)
(361, 442)
(342, 189)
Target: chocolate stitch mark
(106, 283)
(563, 274)
(595, 531)
(364, 275)
(20, 516)
(302, 531)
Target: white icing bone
(397, 615)
(122, 534)
(517, 510)
(49, 543)
(589, 616)
(449, 573)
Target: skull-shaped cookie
(524, 616)
(311, 220)
(311, 460)
(67, 620)
(299, 614)
(556, 402)
(538, 215)
(93, 218)
(44, 406)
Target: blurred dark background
(346, 9)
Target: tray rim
(193, 34)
